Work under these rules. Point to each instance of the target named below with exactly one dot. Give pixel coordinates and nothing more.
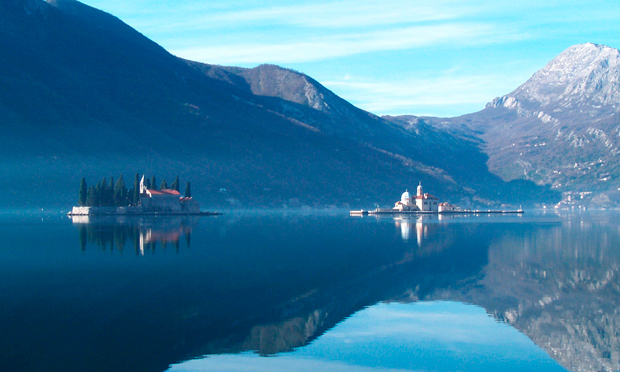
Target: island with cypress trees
(143, 198)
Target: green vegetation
(104, 194)
(188, 190)
(175, 184)
(120, 191)
(111, 194)
(83, 192)
(135, 194)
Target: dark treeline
(111, 194)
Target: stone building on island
(420, 202)
(424, 203)
(146, 201)
(165, 201)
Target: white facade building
(406, 203)
(426, 202)
(447, 207)
(419, 202)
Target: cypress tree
(135, 199)
(109, 194)
(90, 197)
(120, 192)
(153, 183)
(164, 185)
(97, 195)
(83, 193)
(175, 184)
(130, 196)
(188, 190)
(147, 183)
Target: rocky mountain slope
(560, 128)
(83, 94)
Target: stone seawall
(85, 211)
(135, 211)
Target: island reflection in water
(276, 283)
(144, 234)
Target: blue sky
(441, 58)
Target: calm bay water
(293, 291)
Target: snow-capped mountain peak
(585, 74)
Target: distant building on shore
(166, 201)
(447, 207)
(425, 203)
(421, 202)
(146, 201)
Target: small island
(144, 198)
(424, 203)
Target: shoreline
(136, 211)
(71, 214)
(477, 211)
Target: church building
(426, 202)
(421, 202)
(166, 201)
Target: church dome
(405, 197)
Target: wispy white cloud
(199, 16)
(350, 43)
(439, 92)
(342, 14)
(322, 36)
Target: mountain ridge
(560, 128)
(109, 101)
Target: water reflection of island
(408, 224)
(143, 234)
(419, 225)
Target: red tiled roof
(163, 192)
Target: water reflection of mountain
(301, 319)
(558, 284)
(142, 234)
(274, 283)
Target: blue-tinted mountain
(560, 128)
(84, 94)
